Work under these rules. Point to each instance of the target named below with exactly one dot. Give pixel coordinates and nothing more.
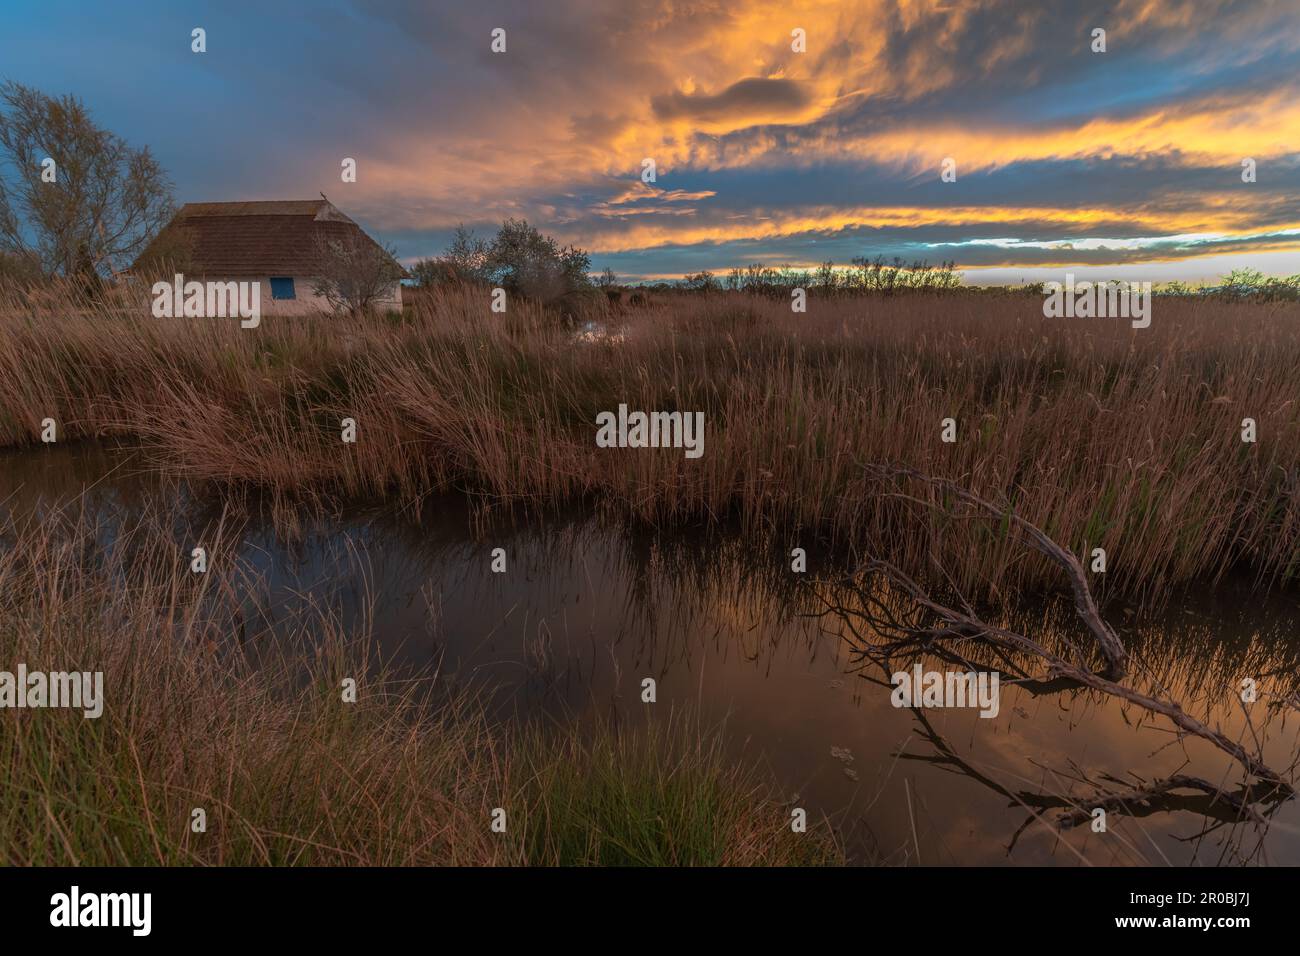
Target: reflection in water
(589, 607)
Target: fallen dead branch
(1084, 604)
(1159, 792)
(909, 618)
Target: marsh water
(589, 607)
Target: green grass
(285, 771)
(662, 797)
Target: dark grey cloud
(748, 97)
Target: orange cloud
(890, 86)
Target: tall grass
(1103, 435)
(284, 770)
(656, 798)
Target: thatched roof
(277, 237)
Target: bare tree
(354, 272)
(92, 210)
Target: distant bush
(701, 282)
(465, 260)
(866, 276)
(1253, 284)
(1245, 284)
(520, 259)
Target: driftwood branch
(1160, 792)
(922, 622)
(1107, 641)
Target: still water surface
(589, 607)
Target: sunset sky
(1128, 160)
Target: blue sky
(1125, 163)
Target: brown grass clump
(1102, 435)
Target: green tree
(523, 261)
(519, 259)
